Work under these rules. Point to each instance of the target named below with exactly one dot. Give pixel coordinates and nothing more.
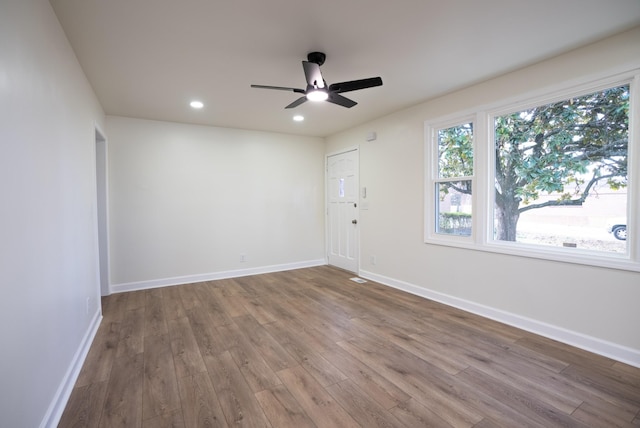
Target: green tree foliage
(564, 148)
(455, 157)
(455, 151)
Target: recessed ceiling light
(298, 118)
(196, 104)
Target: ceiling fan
(317, 89)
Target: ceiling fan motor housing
(316, 57)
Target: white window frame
(432, 179)
(484, 176)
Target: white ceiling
(149, 58)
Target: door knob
(354, 221)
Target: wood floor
(310, 348)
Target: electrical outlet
(243, 258)
(372, 260)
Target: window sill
(554, 254)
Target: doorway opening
(103, 214)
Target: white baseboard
(188, 279)
(59, 402)
(592, 344)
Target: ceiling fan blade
(354, 85)
(340, 100)
(313, 75)
(279, 88)
(297, 102)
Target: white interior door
(342, 210)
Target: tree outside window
(559, 155)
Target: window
(554, 166)
(552, 178)
(454, 181)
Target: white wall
(48, 257)
(186, 201)
(594, 308)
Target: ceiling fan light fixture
(317, 95)
(317, 89)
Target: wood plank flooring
(310, 348)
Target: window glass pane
(454, 208)
(455, 151)
(561, 173)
